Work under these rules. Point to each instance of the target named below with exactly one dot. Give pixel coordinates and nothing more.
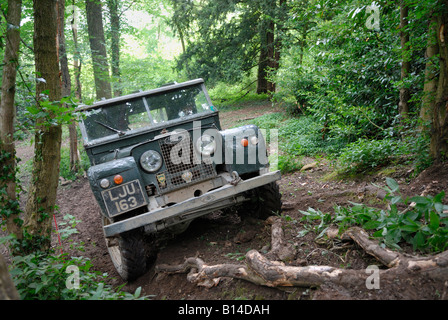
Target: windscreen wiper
(120, 133)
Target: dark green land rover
(159, 159)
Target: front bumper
(222, 197)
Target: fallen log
(260, 270)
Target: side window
(201, 102)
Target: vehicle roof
(165, 88)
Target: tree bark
(430, 85)
(115, 45)
(76, 57)
(8, 200)
(47, 144)
(67, 85)
(7, 289)
(270, 45)
(439, 131)
(98, 49)
(403, 107)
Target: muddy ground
(221, 238)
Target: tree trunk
(403, 107)
(269, 47)
(265, 57)
(67, 85)
(7, 289)
(98, 49)
(8, 200)
(47, 144)
(76, 57)
(115, 45)
(262, 82)
(430, 86)
(439, 132)
(272, 61)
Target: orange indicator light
(244, 142)
(118, 179)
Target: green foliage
(229, 96)
(364, 155)
(65, 170)
(222, 38)
(49, 276)
(423, 224)
(288, 163)
(40, 276)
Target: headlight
(151, 161)
(253, 140)
(206, 145)
(104, 183)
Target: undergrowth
(423, 223)
(60, 276)
(304, 136)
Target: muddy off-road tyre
(128, 254)
(265, 201)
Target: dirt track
(225, 239)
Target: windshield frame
(144, 95)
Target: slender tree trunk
(272, 62)
(270, 45)
(439, 131)
(8, 201)
(76, 57)
(430, 86)
(263, 61)
(403, 107)
(115, 45)
(47, 144)
(67, 85)
(98, 49)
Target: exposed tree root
(266, 271)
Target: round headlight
(206, 145)
(104, 183)
(151, 161)
(253, 140)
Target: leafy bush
(44, 277)
(47, 276)
(287, 163)
(364, 155)
(424, 224)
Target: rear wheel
(128, 253)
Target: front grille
(182, 165)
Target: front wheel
(265, 201)
(128, 253)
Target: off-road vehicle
(159, 159)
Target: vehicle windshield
(144, 112)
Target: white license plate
(124, 198)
